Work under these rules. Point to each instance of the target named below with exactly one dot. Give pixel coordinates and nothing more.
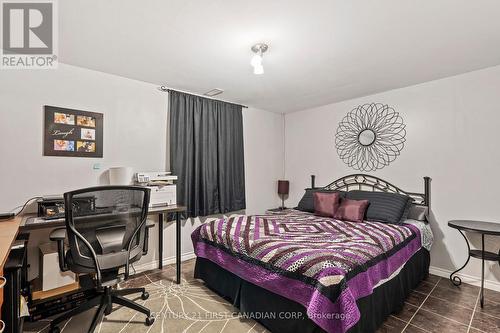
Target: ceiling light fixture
(259, 49)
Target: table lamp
(283, 188)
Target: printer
(162, 186)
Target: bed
(294, 271)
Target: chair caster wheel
(145, 296)
(55, 329)
(150, 320)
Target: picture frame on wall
(72, 133)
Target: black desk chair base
(105, 301)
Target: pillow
(384, 207)
(306, 204)
(417, 212)
(326, 203)
(351, 210)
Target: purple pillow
(326, 203)
(351, 210)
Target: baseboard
(166, 261)
(474, 280)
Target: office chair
(106, 233)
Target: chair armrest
(59, 235)
(149, 225)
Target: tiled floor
(186, 308)
(436, 305)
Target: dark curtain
(206, 153)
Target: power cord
(24, 206)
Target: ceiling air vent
(213, 92)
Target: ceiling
(320, 52)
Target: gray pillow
(384, 207)
(418, 212)
(306, 204)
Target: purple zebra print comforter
(322, 263)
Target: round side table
(483, 228)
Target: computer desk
(8, 233)
(161, 211)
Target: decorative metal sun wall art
(370, 137)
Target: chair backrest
(106, 225)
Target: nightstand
(276, 210)
(482, 228)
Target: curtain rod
(166, 89)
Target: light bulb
(256, 60)
(258, 49)
(258, 69)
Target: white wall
(135, 132)
(452, 136)
(135, 118)
(264, 157)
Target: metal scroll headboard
(367, 182)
